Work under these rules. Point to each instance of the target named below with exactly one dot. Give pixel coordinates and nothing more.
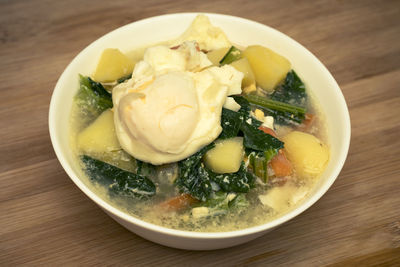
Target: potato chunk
(307, 153)
(269, 67)
(226, 156)
(243, 65)
(216, 55)
(99, 137)
(113, 64)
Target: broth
(267, 200)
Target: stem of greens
(274, 105)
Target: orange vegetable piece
(267, 130)
(178, 203)
(281, 165)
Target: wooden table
(46, 219)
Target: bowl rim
(191, 234)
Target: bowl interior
(241, 32)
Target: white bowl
(241, 32)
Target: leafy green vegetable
(233, 54)
(99, 90)
(258, 162)
(292, 91)
(234, 122)
(120, 182)
(256, 139)
(222, 202)
(282, 112)
(218, 200)
(231, 122)
(196, 180)
(287, 103)
(240, 202)
(239, 182)
(260, 147)
(245, 109)
(244, 104)
(275, 105)
(259, 166)
(92, 98)
(193, 177)
(270, 153)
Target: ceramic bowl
(242, 32)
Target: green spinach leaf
(292, 91)
(222, 203)
(256, 139)
(239, 203)
(281, 111)
(92, 98)
(245, 109)
(120, 182)
(231, 122)
(258, 162)
(193, 177)
(239, 182)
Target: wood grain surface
(46, 220)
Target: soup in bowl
(204, 134)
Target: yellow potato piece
(216, 55)
(99, 137)
(269, 67)
(113, 64)
(226, 156)
(307, 153)
(243, 66)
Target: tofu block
(231, 104)
(99, 137)
(307, 153)
(243, 66)
(113, 64)
(226, 156)
(269, 67)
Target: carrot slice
(178, 203)
(267, 130)
(281, 165)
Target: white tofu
(268, 122)
(231, 104)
